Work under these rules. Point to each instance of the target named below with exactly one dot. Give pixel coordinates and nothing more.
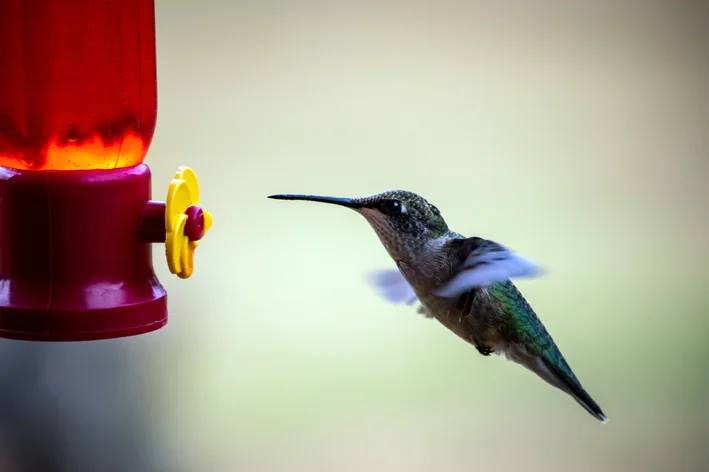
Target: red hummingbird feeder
(78, 107)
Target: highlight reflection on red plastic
(78, 85)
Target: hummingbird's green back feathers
(542, 356)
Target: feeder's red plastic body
(78, 107)
(78, 85)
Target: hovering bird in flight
(462, 282)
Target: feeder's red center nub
(194, 227)
(78, 86)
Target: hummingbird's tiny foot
(484, 350)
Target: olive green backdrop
(574, 132)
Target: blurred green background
(575, 132)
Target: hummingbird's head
(404, 221)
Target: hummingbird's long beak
(341, 201)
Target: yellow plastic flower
(184, 220)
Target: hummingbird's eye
(392, 207)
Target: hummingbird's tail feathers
(560, 379)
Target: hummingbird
(464, 283)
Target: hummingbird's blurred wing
(393, 287)
(485, 262)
